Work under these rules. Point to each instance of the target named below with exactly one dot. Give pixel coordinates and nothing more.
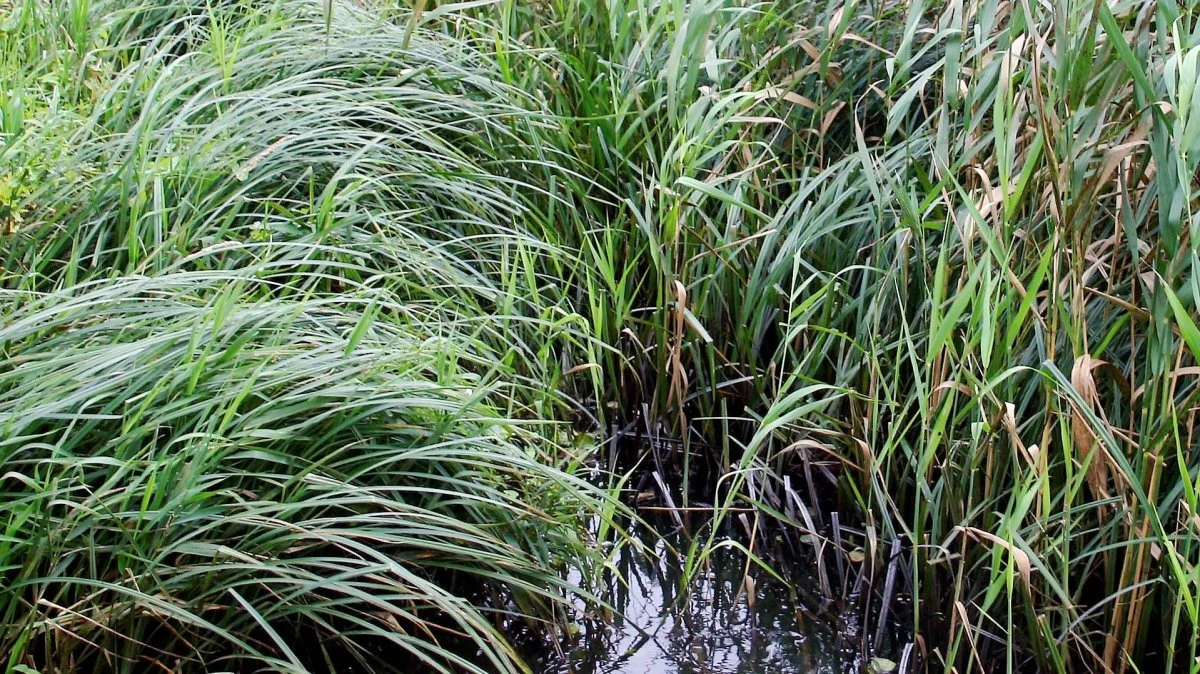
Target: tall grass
(279, 358)
(944, 254)
(191, 476)
(930, 267)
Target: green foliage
(295, 293)
(950, 247)
(279, 363)
(195, 468)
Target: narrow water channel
(711, 627)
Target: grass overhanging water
(308, 310)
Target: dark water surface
(712, 628)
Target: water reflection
(711, 629)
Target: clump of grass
(197, 473)
(277, 386)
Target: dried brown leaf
(1024, 566)
(1098, 463)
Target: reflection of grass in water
(664, 625)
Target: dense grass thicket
(303, 304)
(265, 397)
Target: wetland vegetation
(368, 335)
